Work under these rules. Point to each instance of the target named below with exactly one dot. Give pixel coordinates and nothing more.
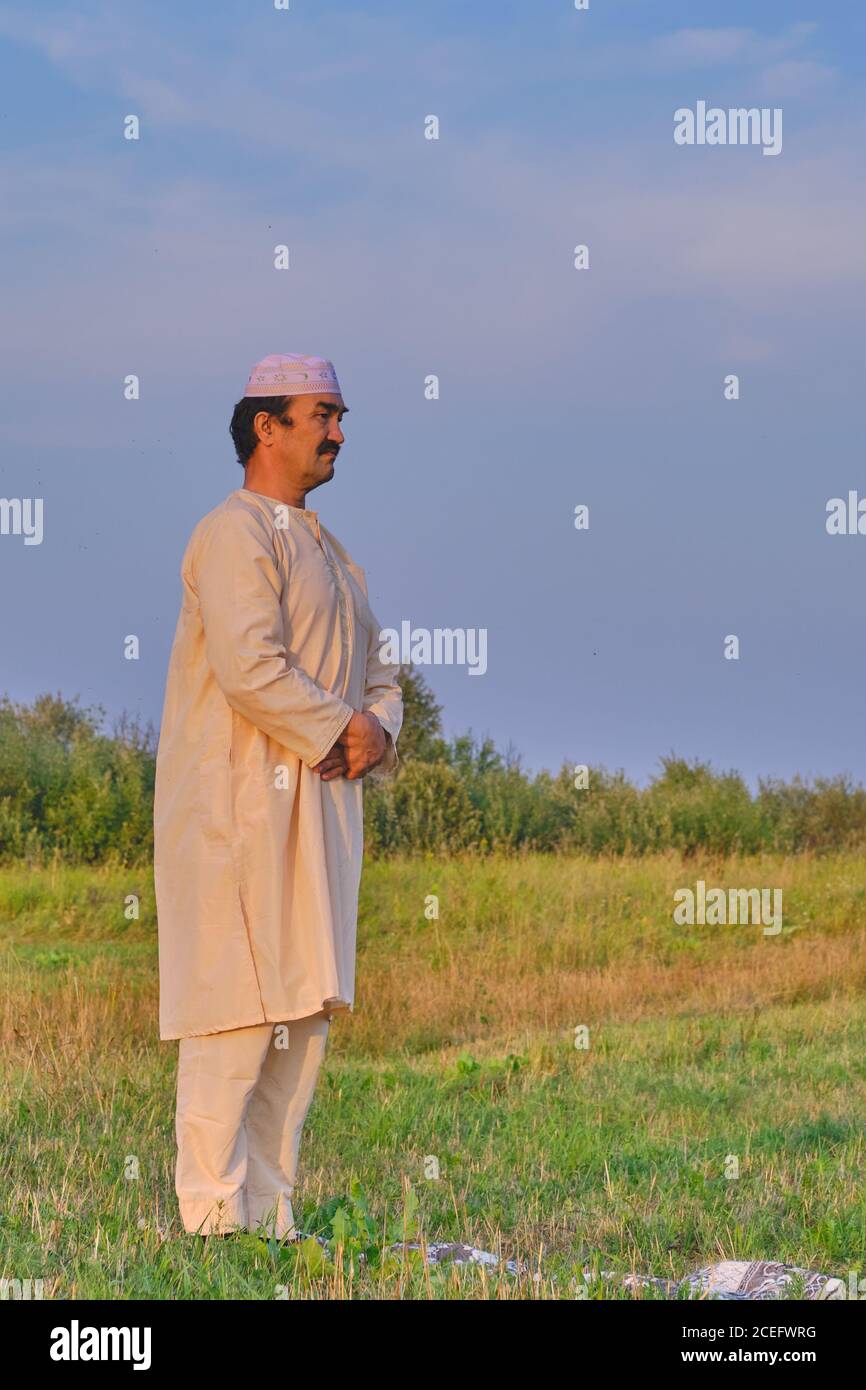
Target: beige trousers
(242, 1098)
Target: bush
(68, 788)
(425, 807)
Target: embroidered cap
(292, 374)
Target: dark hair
(241, 427)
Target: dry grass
(704, 1042)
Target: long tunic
(257, 860)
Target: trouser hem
(271, 1212)
(210, 1216)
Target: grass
(709, 1048)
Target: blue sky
(454, 257)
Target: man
(276, 706)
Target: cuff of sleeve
(343, 719)
(390, 760)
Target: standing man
(276, 706)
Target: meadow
(711, 1051)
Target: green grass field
(704, 1043)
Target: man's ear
(263, 426)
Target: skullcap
(292, 374)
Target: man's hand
(363, 743)
(332, 765)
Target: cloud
(77, 43)
(687, 49)
(470, 239)
(702, 49)
(792, 79)
(176, 76)
(172, 281)
(172, 83)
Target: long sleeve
(384, 698)
(239, 591)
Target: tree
(421, 734)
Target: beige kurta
(257, 861)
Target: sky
(454, 257)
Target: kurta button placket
(347, 631)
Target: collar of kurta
(311, 519)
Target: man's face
(305, 448)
